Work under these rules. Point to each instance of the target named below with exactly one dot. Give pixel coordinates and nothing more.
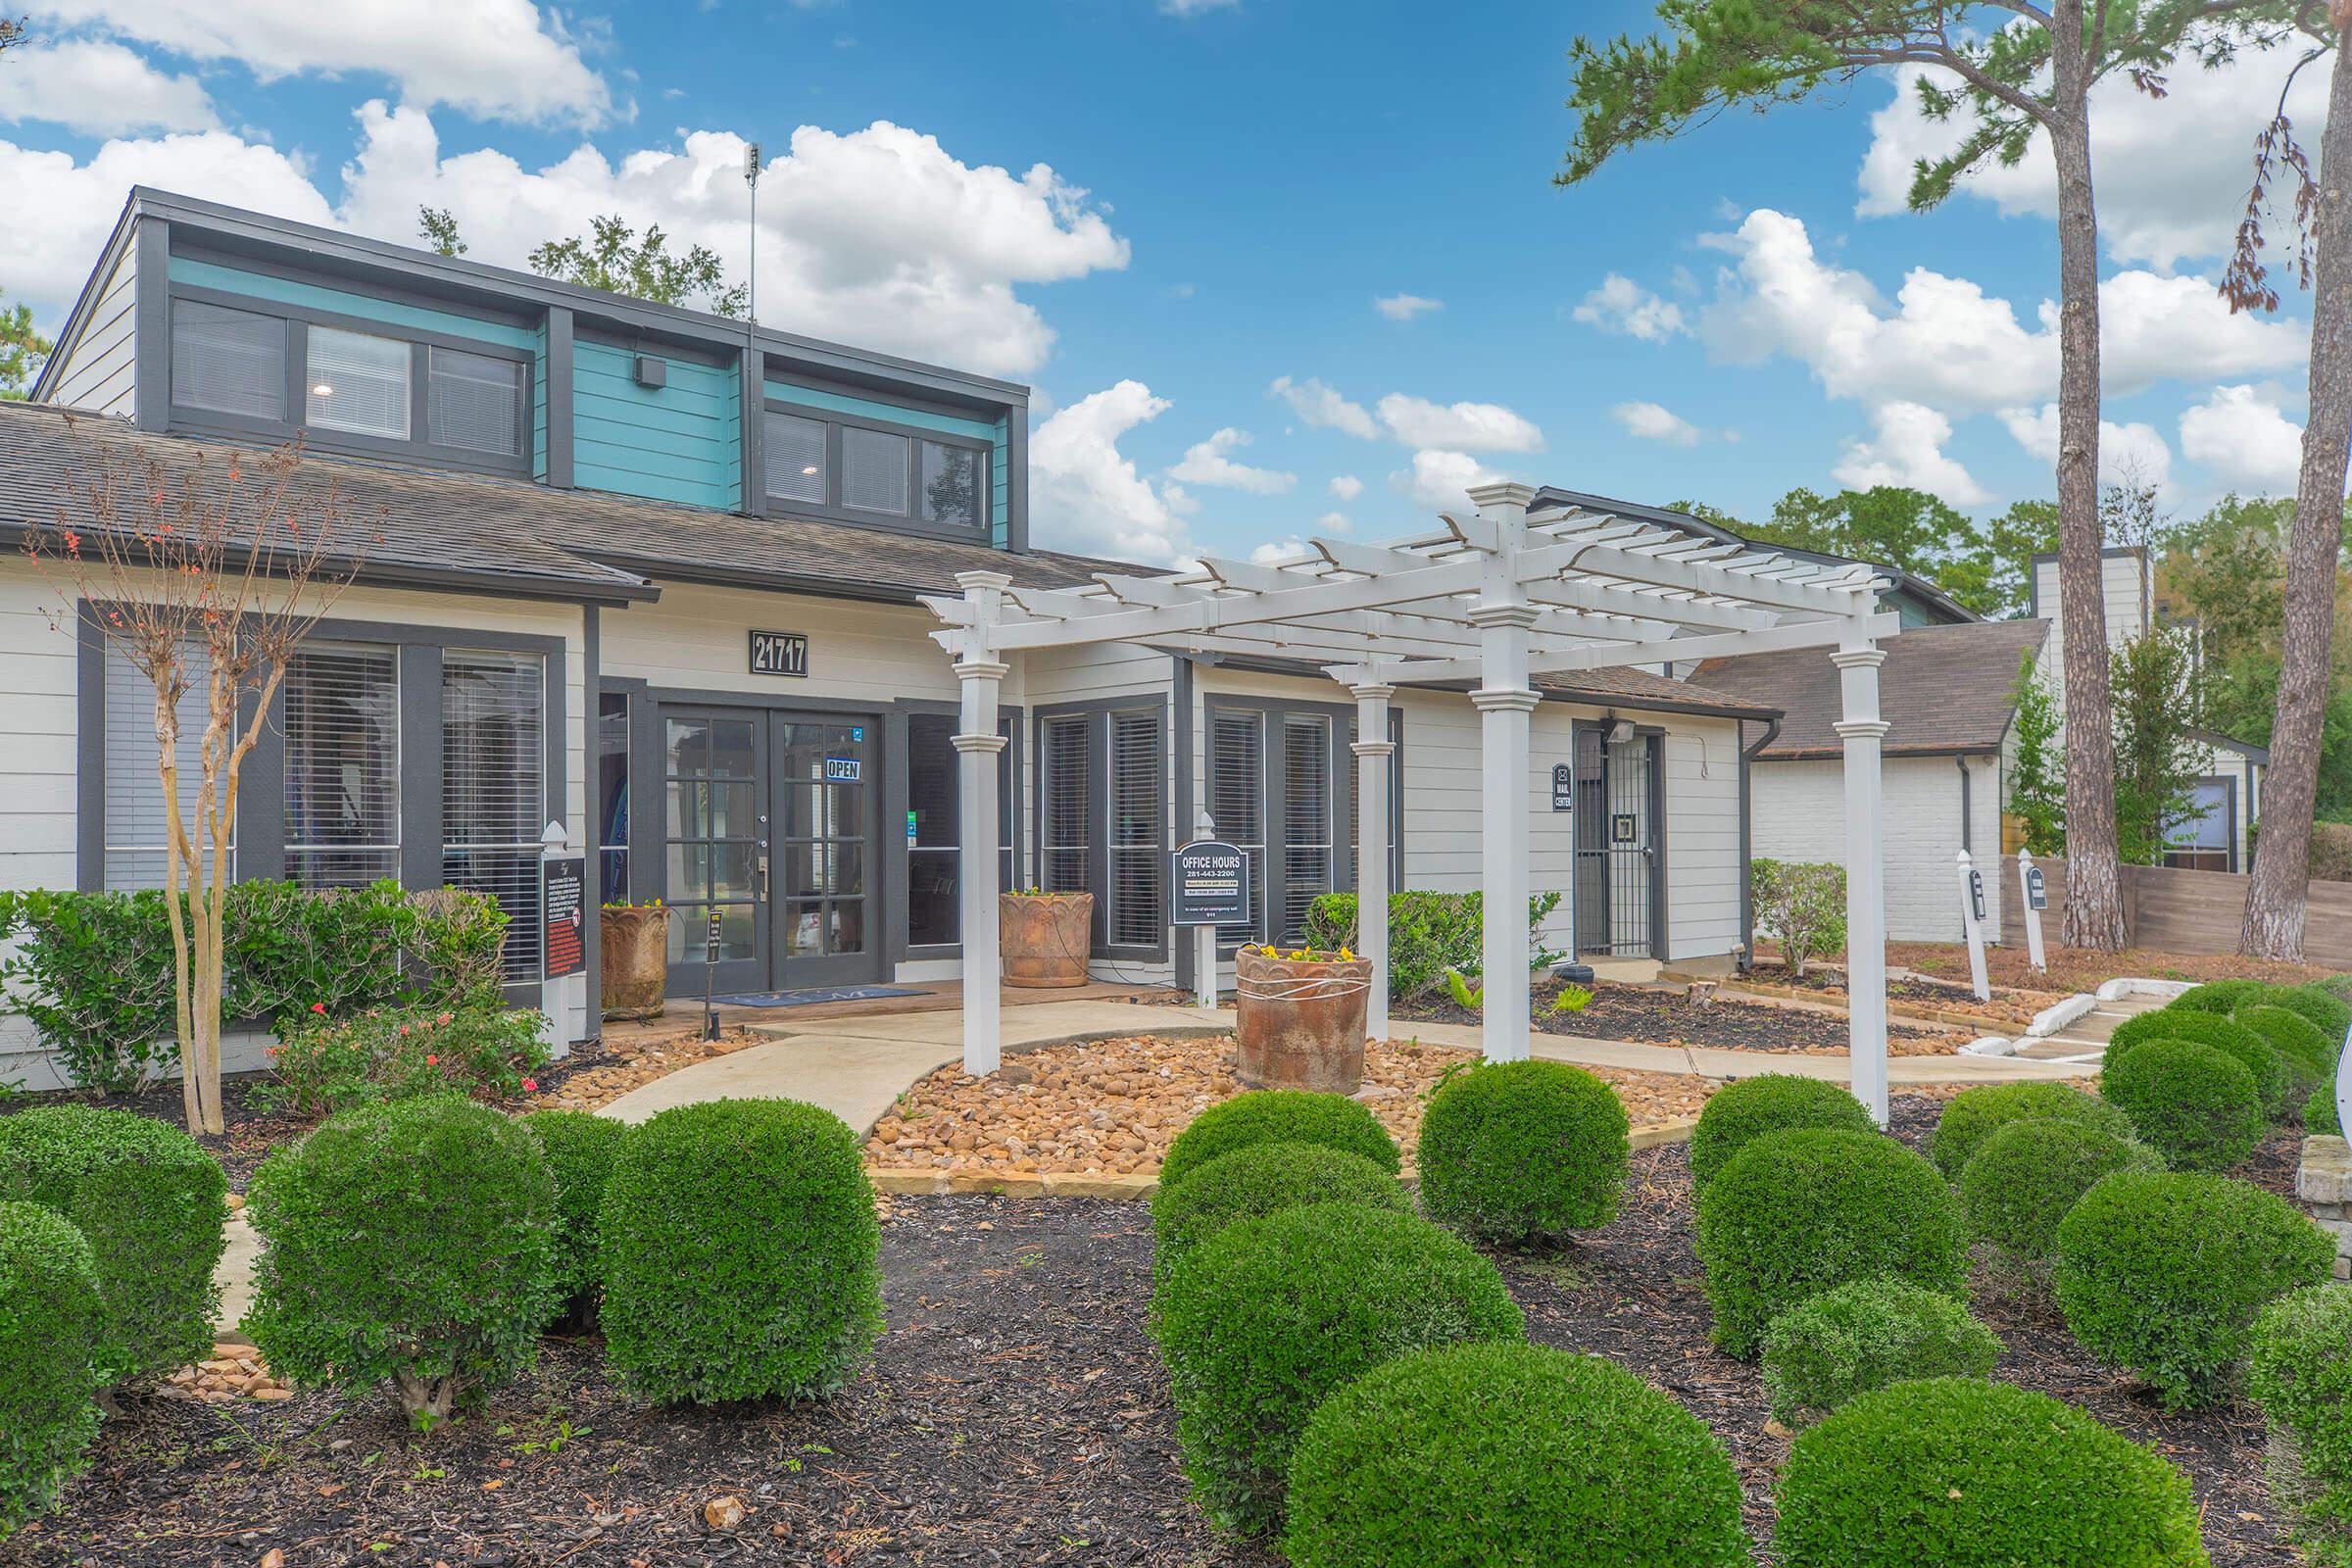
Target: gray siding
(100, 372)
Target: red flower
(431, 1060)
(404, 1028)
(530, 1086)
(318, 1006)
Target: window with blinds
(613, 794)
(1306, 819)
(230, 362)
(359, 382)
(1237, 793)
(1138, 836)
(137, 831)
(873, 471)
(795, 458)
(494, 788)
(341, 719)
(474, 402)
(1064, 767)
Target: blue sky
(1231, 190)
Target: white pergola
(1497, 596)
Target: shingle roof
(1942, 689)
(1638, 687)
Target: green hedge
(93, 971)
(1517, 1149)
(1795, 1213)
(740, 1254)
(2221, 998)
(1833, 1347)
(1497, 1455)
(1279, 1116)
(1771, 1103)
(1974, 1116)
(2198, 1108)
(579, 1147)
(2328, 1013)
(152, 1202)
(2301, 1375)
(51, 1328)
(2272, 1078)
(1262, 1179)
(2163, 1274)
(2307, 1047)
(1266, 1321)
(1960, 1473)
(2320, 1113)
(409, 1244)
(1429, 933)
(2029, 1174)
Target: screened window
(359, 383)
(494, 788)
(952, 478)
(342, 728)
(934, 829)
(1306, 819)
(472, 402)
(873, 471)
(1138, 915)
(795, 458)
(231, 361)
(613, 794)
(136, 829)
(1064, 758)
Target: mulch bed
(2074, 969)
(1669, 1018)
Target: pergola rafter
(1496, 596)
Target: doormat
(796, 999)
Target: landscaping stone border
(1896, 1012)
(2324, 1184)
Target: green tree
(2012, 540)
(439, 227)
(22, 350)
(2028, 77)
(2037, 772)
(2157, 760)
(612, 257)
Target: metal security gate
(1619, 895)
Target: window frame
(1272, 715)
(911, 521)
(1098, 712)
(898, 779)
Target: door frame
(1655, 804)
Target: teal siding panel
(680, 441)
(539, 403)
(872, 409)
(287, 291)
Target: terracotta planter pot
(635, 948)
(1045, 938)
(1301, 1021)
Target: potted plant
(1302, 1017)
(635, 948)
(1045, 938)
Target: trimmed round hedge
(2301, 1375)
(2307, 1047)
(1407, 1468)
(1833, 1347)
(1517, 1149)
(1262, 1179)
(1771, 1103)
(151, 1202)
(1962, 1473)
(2162, 1274)
(1266, 1321)
(1974, 1116)
(1800, 1212)
(52, 1327)
(579, 1147)
(740, 1255)
(1279, 1116)
(2196, 1108)
(410, 1243)
(2272, 1078)
(2321, 1115)
(2017, 1187)
(2328, 1013)
(2217, 997)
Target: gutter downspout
(1962, 762)
(1748, 881)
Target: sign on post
(1212, 884)
(2037, 899)
(563, 909)
(1972, 923)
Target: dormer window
(359, 383)
(822, 463)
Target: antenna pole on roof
(750, 177)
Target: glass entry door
(824, 778)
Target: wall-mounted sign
(910, 830)
(842, 769)
(562, 903)
(711, 940)
(1625, 830)
(780, 652)
(2037, 888)
(1976, 893)
(1212, 884)
(1563, 787)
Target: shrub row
(1429, 935)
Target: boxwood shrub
(2221, 998)
(410, 1243)
(51, 1329)
(2016, 1188)
(1961, 1473)
(1974, 1116)
(2307, 1047)
(740, 1254)
(2328, 1013)
(1280, 1116)
(2162, 1274)
(2321, 1115)
(2175, 1022)
(1771, 1103)
(2301, 1375)
(2192, 1105)
(1262, 1179)
(579, 1147)
(152, 1203)
(1405, 1468)
(1844, 1343)
(1517, 1149)
(1268, 1319)
(1800, 1212)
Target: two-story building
(652, 575)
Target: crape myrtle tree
(2008, 72)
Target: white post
(2035, 953)
(978, 745)
(1504, 700)
(1205, 937)
(1373, 749)
(1862, 730)
(1972, 926)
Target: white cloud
(1087, 495)
(1467, 426)
(1906, 448)
(1209, 463)
(1288, 547)
(1653, 422)
(99, 88)
(1621, 305)
(1438, 480)
(1181, 501)
(1405, 306)
(2152, 328)
(1321, 405)
(2243, 439)
(2135, 453)
(2171, 173)
(493, 58)
(1333, 522)
(1194, 8)
(1346, 486)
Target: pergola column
(1504, 617)
(1862, 730)
(978, 744)
(1373, 749)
